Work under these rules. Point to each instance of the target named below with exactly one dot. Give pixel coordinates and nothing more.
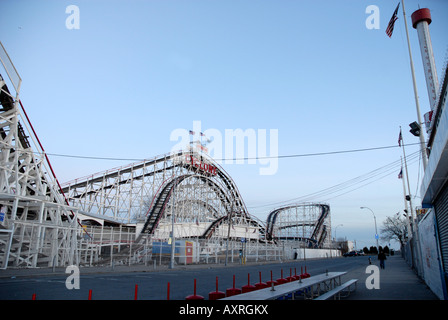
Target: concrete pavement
(396, 282)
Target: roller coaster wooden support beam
(43, 228)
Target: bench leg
(350, 291)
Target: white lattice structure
(188, 186)
(128, 214)
(38, 228)
(308, 223)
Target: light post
(228, 233)
(173, 241)
(335, 238)
(376, 231)
(335, 242)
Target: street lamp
(376, 231)
(339, 225)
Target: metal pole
(173, 242)
(408, 225)
(228, 234)
(376, 230)
(407, 178)
(414, 227)
(339, 225)
(417, 104)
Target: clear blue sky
(137, 70)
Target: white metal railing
(10, 69)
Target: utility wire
(380, 172)
(244, 158)
(319, 153)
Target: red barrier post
(248, 287)
(90, 294)
(272, 282)
(260, 285)
(33, 297)
(194, 296)
(135, 292)
(290, 278)
(168, 292)
(296, 277)
(215, 295)
(306, 274)
(233, 291)
(281, 280)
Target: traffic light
(415, 128)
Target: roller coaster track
(225, 219)
(157, 208)
(171, 170)
(319, 232)
(161, 200)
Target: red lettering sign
(202, 166)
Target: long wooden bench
(336, 292)
(290, 288)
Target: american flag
(400, 175)
(390, 26)
(400, 139)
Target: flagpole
(414, 220)
(413, 228)
(417, 104)
(408, 225)
(407, 178)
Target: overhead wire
(353, 183)
(239, 159)
(378, 173)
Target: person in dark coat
(382, 257)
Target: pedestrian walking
(382, 258)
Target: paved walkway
(396, 282)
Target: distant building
(344, 245)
